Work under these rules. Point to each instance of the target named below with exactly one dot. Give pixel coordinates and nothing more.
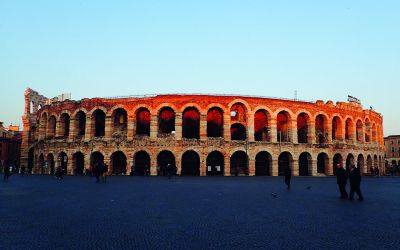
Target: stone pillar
(313, 168)
(131, 127)
(73, 131)
(312, 137)
(252, 166)
(59, 128)
(293, 131)
(329, 168)
(227, 167)
(89, 131)
(153, 127)
(227, 126)
(107, 160)
(153, 166)
(275, 168)
(250, 125)
(203, 166)
(109, 128)
(129, 163)
(178, 126)
(328, 132)
(295, 167)
(273, 131)
(203, 126)
(70, 165)
(87, 163)
(178, 164)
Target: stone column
(59, 128)
(275, 168)
(153, 166)
(250, 125)
(203, 126)
(312, 138)
(178, 165)
(328, 131)
(273, 131)
(329, 167)
(131, 127)
(70, 165)
(109, 128)
(295, 167)
(252, 166)
(107, 160)
(227, 126)
(178, 126)
(227, 167)
(153, 128)
(313, 168)
(203, 166)
(73, 132)
(293, 131)
(129, 162)
(89, 131)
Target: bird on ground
(274, 195)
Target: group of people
(100, 171)
(374, 171)
(354, 176)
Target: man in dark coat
(288, 176)
(341, 176)
(355, 181)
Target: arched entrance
(41, 165)
(369, 165)
(337, 159)
(263, 164)
(63, 161)
(99, 123)
(361, 163)
(261, 126)
(166, 121)
(285, 161)
(349, 161)
(78, 161)
(322, 163)
(190, 163)
(215, 122)
(95, 159)
(163, 159)
(118, 163)
(239, 164)
(191, 123)
(50, 163)
(142, 161)
(215, 163)
(305, 164)
(143, 122)
(302, 127)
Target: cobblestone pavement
(41, 212)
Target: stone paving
(41, 212)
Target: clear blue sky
(323, 49)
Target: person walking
(104, 173)
(7, 170)
(341, 176)
(355, 181)
(59, 173)
(96, 171)
(288, 176)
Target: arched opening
(120, 123)
(283, 127)
(80, 123)
(41, 164)
(191, 123)
(215, 163)
(215, 122)
(305, 164)
(285, 163)
(337, 160)
(349, 129)
(63, 161)
(65, 119)
(302, 127)
(142, 162)
(166, 121)
(261, 126)
(51, 127)
(374, 133)
(99, 122)
(239, 164)
(370, 164)
(163, 159)
(118, 163)
(337, 128)
(50, 163)
(190, 163)
(96, 158)
(322, 163)
(349, 161)
(263, 164)
(238, 132)
(320, 129)
(143, 122)
(31, 158)
(359, 131)
(368, 129)
(361, 163)
(78, 162)
(238, 113)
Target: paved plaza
(41, 212)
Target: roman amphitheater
(203, 135)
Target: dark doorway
(284, 162)
(163, 159)
(191, 123)
(142, 161)
(239, 164)
(99, 118)
(78, 160)
(118, 163)
(337, 159)
(190, 163)
(215, 121)
(238, 132)
(63, 161)
(166, 121)
(81, 123)
(95, 159)
(215, 163)
(263, 164)
(322, 163)
(305, 162)
(143, 122)
(302, 128)
(50, 164)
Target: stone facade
(201, 135)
